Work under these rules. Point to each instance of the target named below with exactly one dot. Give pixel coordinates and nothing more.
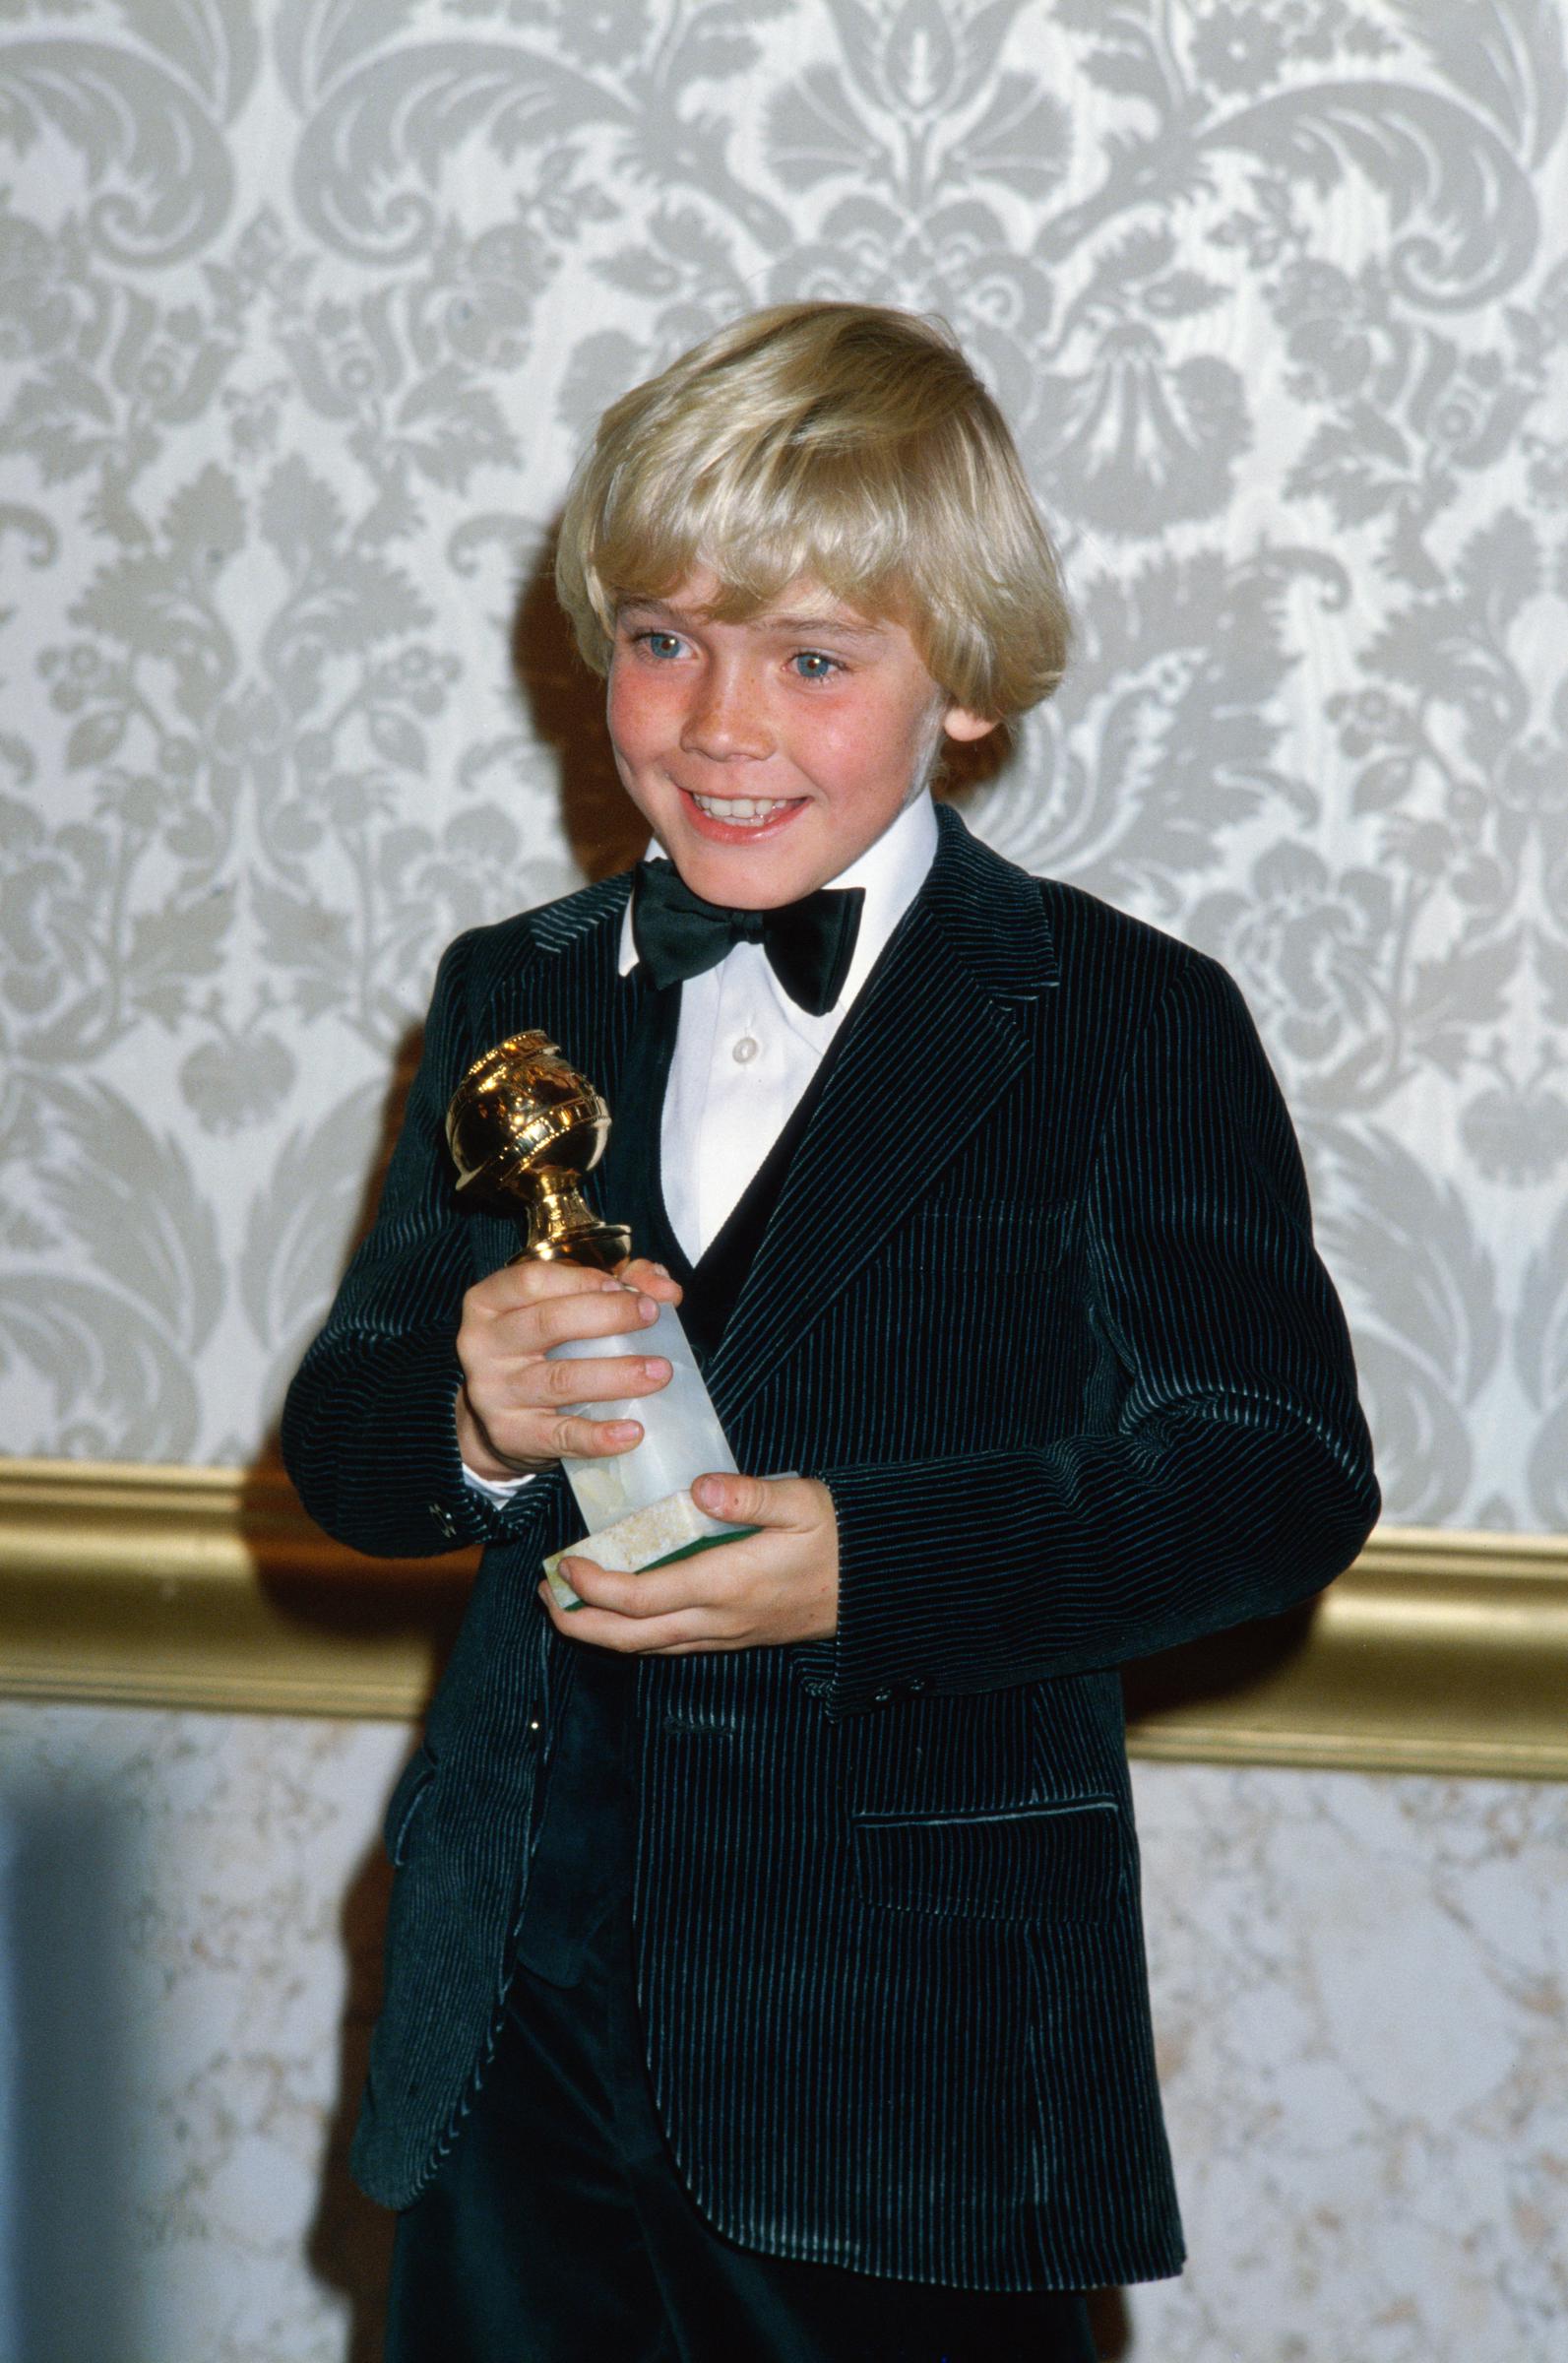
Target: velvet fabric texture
(557, 2230)
(1039, 1302)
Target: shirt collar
(891, 871)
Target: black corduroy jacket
(1039, 1302)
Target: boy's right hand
(513, 1408)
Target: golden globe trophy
(523, 1128)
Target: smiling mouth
(743, 811)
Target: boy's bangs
(758, 534)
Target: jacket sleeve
(1233, 1475)
(369, 1434)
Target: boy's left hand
(779, 1585)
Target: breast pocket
(1060, 1863)
(977, 1235)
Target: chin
(744, 885)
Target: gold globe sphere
(524, 1128)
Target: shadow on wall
(566, 710)
(349, 2242)
(66, 1899)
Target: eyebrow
(805, 626)
(840, 626)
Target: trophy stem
(562, 1228)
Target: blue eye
(813, 666)
(662, 644)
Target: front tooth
(739, 808)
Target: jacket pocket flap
(1053, 1862)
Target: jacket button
(916, 1682)
(882, 1696)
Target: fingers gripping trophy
(523, 1128)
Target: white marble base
(642, 1539)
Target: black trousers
(558, 2231)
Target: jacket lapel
(930, 1047)
(574, 993)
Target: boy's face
(766, 755)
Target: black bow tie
(809, 944)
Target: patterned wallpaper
(303, 311)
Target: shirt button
(745, 1050)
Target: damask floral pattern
(301, 314)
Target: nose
(727, 720)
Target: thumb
(748, 1500)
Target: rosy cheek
(628, 710)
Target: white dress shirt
(746, 1052)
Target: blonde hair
(841, 441)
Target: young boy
(764, 1971)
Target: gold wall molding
(138, 1585)
(128, 1584)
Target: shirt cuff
(497, 1488)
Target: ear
(960, 723)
